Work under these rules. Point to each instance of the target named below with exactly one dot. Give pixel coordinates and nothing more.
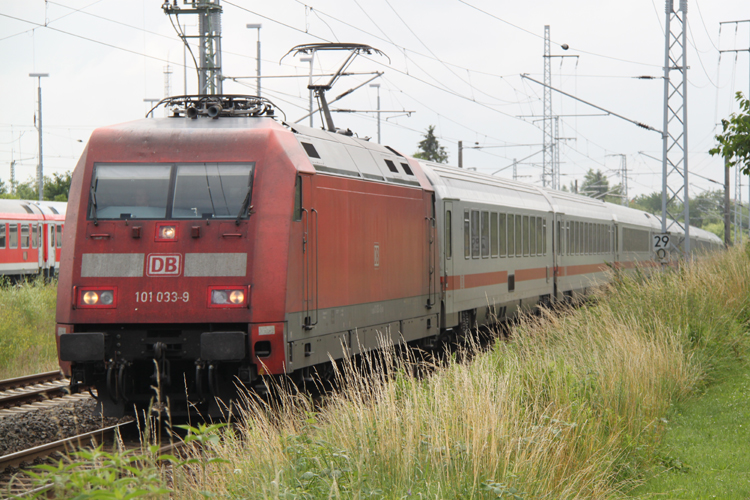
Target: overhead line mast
(674, 135)
(209, 35)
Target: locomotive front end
(164, 296)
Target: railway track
(15, 484)
(25, 393)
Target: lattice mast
(675, 136)
(548, 174)
(209, 41)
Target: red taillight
(227, 296)
(97, 297)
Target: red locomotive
(30, 237)
(219, 246)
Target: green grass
(27, 328)
(706, 452)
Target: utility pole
(377, 86)
(310, 60)
(556, 157)
(209, 35)
(675, 129)
(550, 176)
(727, 233)
(460, 154)
(257, 69)
(547, 166)
(738, 174)
(167, 85)
(40, 166)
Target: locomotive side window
(297, 216)
(2, 235)
(406, 168)
(493, 234)
(467, 235)
(485, 229)
(25, 230)
(59, 237)
(13, 235)
(391, 166)
(125, 191)
(212, 190)
(503, 236)
(448, 236)
(475, 234)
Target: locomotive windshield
(199, 190)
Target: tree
(430, 148)
(595, 184)
(55, 189)
(3, 188)
(734, 141)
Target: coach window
(493, 234)
(25, 235)
(59, 236)
(485, 231)
(539, 237)
(577, 238)
(13, 235)
(448, 236)
(33, 236)
(511, 235)
(2, 235)
(467, 235)
(519, 236)
(587, 239)
(543, 231)
(475, 234)
(532, 236)
(503, 236)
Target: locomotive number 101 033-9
(162, 297)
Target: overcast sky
(455, 63)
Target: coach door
(50, 248)
(447, 252)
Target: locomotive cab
(162, 258)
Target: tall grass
(27, 328)
(572, 406)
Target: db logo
(163, 264)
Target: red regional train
(30, 237)
(220, 246)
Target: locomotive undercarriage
(182, 370)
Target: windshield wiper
(93, 205)
(244, 207)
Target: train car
(30, 237)
(218, 246)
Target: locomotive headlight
(97, 297)
(167, 232)
(219, 296)
(90, 298)
(237, 297)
